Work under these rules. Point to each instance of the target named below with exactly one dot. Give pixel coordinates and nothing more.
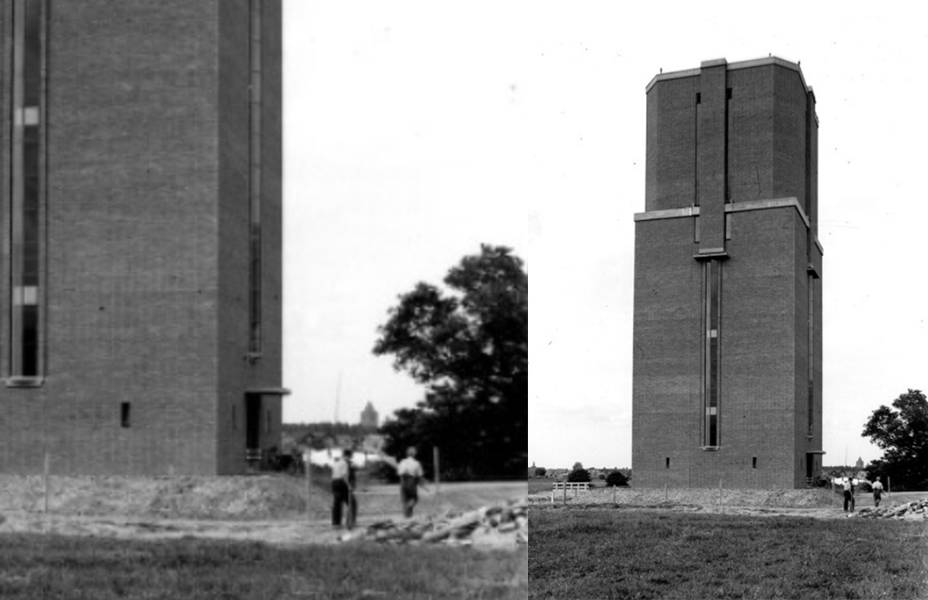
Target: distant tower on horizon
(727, 380)
(369, 417)
(860, 463)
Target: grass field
(539, 485)
(609, 553)
(37, 566)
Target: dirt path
(816, 504)
(284, 533)
(289, 533)
(269, 510)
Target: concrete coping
(269, 391)
(744, 64)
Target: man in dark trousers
(410, 472)
(343, 484)
(877, 492)
(848, 493)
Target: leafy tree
(577, 466)
(902, 434)
(616, 479)
(540, 472)
(468, 345)
(578, 475)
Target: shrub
(616, 479)
(578, 476)
(540, 472)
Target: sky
(414, 131)
(403, 144)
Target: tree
(616, 479)
(468, 345)
(579, 475)
(577, 466)
(540, 472)
(902, 434)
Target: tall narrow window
(713, 283)
(26, 189)
(811, 400)
(254, 171)
(727, 129)
(125, 414)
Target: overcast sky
(405, 144)
(417, 130)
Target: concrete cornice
(771, 203)
(693, 211)
(673, 213)
(744, 64)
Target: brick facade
(731, 178)
(146, 252)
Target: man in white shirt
(343, 481)
(877, 492)
(410, 472)
(848, 493)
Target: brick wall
(139, 199)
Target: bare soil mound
(270, 509)
(180, 497)
(809, 498)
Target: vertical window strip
(25, 218)
(696, 151)
(811, 400)
(713, 279)
(727, 174)
(254, 169)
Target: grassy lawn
(654, 554)
(536, 485)
(36, 566)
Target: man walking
(877, 492)
(410, 472)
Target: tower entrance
(253, 427)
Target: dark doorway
(253, 426)
(810, 465)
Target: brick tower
(140, 280)
(728, 322)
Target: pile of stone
(501, 524)
(914, 511)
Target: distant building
(860, 463)
(369, 417)
(727, 381)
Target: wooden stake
(435, 462)
(306, 461)
(45, 480)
